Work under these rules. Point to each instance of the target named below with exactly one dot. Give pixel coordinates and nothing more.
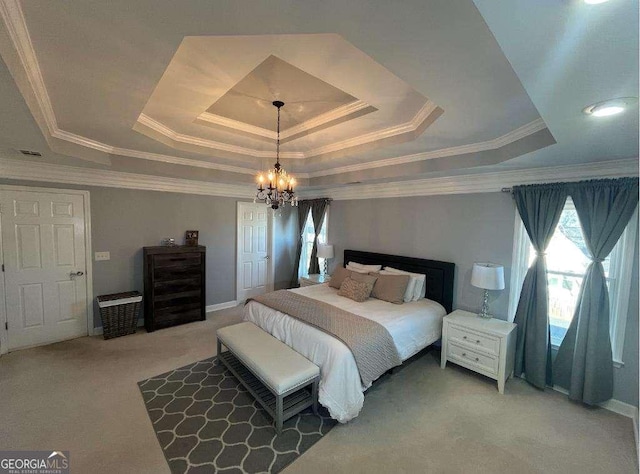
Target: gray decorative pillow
(339, 274)
(355, 290)
(390, 288)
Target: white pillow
(357, 269)
(369, 268)
(419, 289)
(408, 293)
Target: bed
(412, 326)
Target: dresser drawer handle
(464, 354)
(477, 340)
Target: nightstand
(486, 346)
(314, 279)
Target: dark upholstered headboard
(439, 274)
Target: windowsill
(618, 364)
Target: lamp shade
(488, 276)
(325, 251)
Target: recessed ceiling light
(594, 2)
(609, 107)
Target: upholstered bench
(280, 379)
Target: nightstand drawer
(474, 340)
(472, 359)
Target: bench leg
(279, 413)
(219, 351)
(314, 395)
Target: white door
(254, 244)
(43, 243)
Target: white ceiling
(500, 85)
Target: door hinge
(6, 326)
(3, 267)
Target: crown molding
(514, 135)
(236, 125)
(33, 171)
(322, 119)
(306, 126)
(175, 160)
(13, 18)
(465, 184)
(478, 183)
(425, 111)
(86, 142)
(411, 126)
(171, 134)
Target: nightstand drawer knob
(478, 341)
(464, 354)
(477, 359)
(464, 337)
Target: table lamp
(325, 251)
(488, 276)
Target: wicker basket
(119, 313)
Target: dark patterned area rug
(207, 422)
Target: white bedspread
(413, 326)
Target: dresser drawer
(181, 260)
(474, 360)
(474, 340)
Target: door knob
(267, 257)
(75, 274)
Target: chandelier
(276, 189)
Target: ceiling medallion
(279, 184)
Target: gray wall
(123, 221)
(460, 229)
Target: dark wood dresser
(174, 286)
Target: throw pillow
(339, 274)
(355, 290)
(390, 288)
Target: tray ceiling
(185, 90)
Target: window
(567, 262)
(307, 243)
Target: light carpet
(82, 396)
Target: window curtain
(584, 364)
(303, 212)
(318, 213)
(539, 207)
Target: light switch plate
(102, 256)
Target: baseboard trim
(98, 331)
(219, 306)
(616, 406)
(636, 437)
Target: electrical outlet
(102, 256)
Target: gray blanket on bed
(371, 344)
